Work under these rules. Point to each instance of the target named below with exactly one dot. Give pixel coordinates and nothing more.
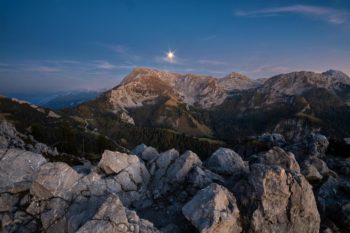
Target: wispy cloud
(211, 62)
(45, 69)
(328, 14)
(121, 50)
(105, 65)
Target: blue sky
(52, 45)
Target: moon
(170, 56)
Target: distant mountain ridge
(58, 99)
(70, 99)
(145, 84)
(225, 109)
(295, 103)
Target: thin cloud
(328, 14)
(45, 69)
(121, 50)
(105, 65)
(211, 62)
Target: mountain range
(163, 109)
(268, 155)
(292, 104)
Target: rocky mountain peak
(296, 83)
(146, 85)
(337, 74)
(141, 72)
(237, 81)
(235, 75)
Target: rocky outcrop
(275, 200)
(10, 138)
(17, 169)
(181, 167)
(128, 170)
(112, 216)
(277, 156)
(315, 170)
(54, 180)
(148, 191)
(213, 209)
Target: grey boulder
(212, 210)
(277, 156)
(275, 200)
(17, 169)
(225, 161)
(181, 167)
(54, 180)
(112, 216)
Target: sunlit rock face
(297, 83)
(144, 84)
(213, 209)
(236, 81)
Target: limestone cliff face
(144, 85)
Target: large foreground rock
(112, 217)
(277, 201)
(127, 170)
(212, 210)
(54, 180)
(17, 168)
(114, 162)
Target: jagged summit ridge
(237, 81)
(296, 83)
(146, 84)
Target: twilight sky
(53, 45)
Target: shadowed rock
(274, 200)
(277, 156)
(182, 165)
(225, 162)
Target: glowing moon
(170, 56)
